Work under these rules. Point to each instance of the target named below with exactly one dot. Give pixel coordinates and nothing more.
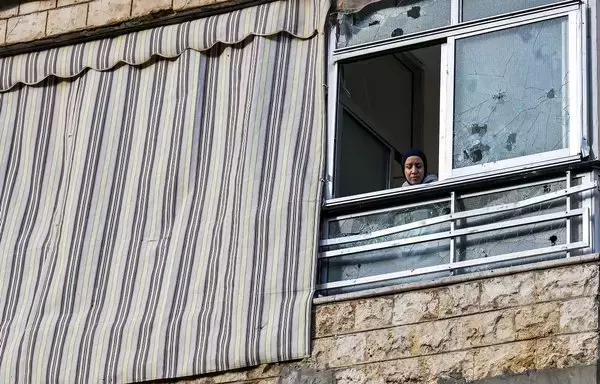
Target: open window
(479, 87)
(398, 95)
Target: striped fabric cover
(160, 220)
(299, 18)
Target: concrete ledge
(591, 258)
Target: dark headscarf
(414, 152)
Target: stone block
(64, 3)
(105, 12)
(35, 6)
(333, 319)
(351, 376)
(414, 307)
(303, 375)
(507, 291)
(373, 313)
(438, 337)
(451, 367)
(399, 371)
(264, 370)
(460, 299)
(66, 19)
(576, 375)
(271, 380)
(565, 351)
(229, 376)
(145, 7)
(339, 351)
(567, 282)
(2, 31)
(393, 371)
(537, 321)
(185, 4)
(9, 10)
(579, 315)
(488, 328)
(501, 359)
(385, 344)
(26, 28)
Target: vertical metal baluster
(568, 203)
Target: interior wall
(380, 92)
(429, 58)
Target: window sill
(377, 199)
(394, 289)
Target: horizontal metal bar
(505, 20)
(459, 215)
(450, 234)
(511, 188)
(387, 210)
(454, 266)
(453, 183)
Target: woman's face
(414, 170)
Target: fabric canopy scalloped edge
(301, 19)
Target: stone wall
(23, 21)
(532, 321)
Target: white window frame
(577, 62)
(575, 88)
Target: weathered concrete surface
(539, 325)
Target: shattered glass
(477, 9)
(388, 260)
(511, 94)
(391, 18)
(517, 239)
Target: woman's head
(414, 164)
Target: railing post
(568, 203)
(452, 228)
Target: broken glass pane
(387, 260)
(366, 224)
(379, 262)
(511, 94)
(391, 18)
(477, 9)
(517, 239)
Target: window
(494, 92)
(479, 87)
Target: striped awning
(301, 19)
(159, 220)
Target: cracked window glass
(477, 9)
(377, 262)
(516, 239)
(386, 19)
(511, 94)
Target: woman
(414, 164)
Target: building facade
(212, 192)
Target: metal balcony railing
(517, 224)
